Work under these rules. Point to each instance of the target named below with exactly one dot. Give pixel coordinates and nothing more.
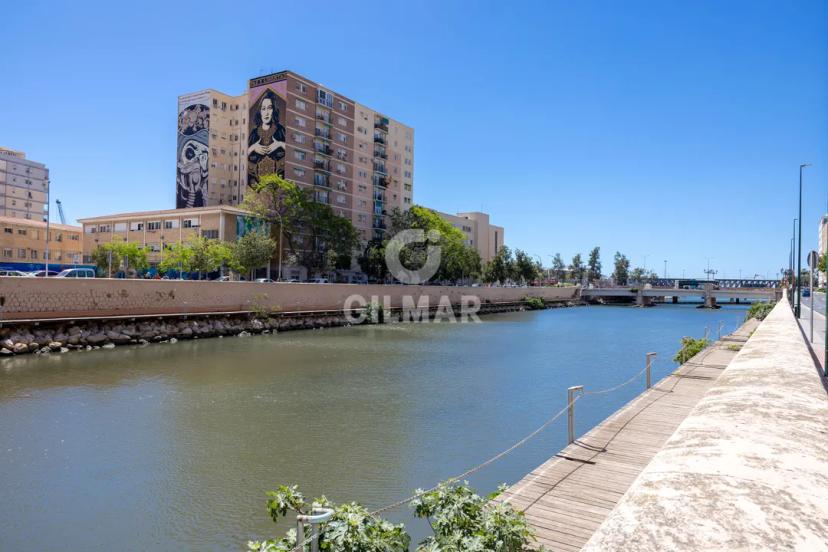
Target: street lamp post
(799, 253)
(665, 269)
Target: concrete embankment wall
(41, 298)
(748, 469)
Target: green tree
(558, 267)
(309, 228)
(107, 258)
(638, 274)
(252, 251)
(594, 264)
(372, 260)
(501, 267)
(525, 268)
(457, 260)
(622, 269)
(576, 268)
(176, 258)
(134, 256)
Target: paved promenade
(747, 469)
(568, 498)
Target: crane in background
(60, 211)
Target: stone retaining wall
(49, 298)
(747, 470)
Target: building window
(299, 154)
(298, 138)
(21, 253)
(341, 121)
(34, 254)
(190, 223)
(324, 97)
(342, 137)
(301, 87)
(210, 234)
(105, 228)
(300, 122)
(89, 229)
(300, 104)
(298, 172)
(343, 106)
(8, 230)
(21, 231)
(7, 253)
(136, 226)
(154, 225)
(170, 224)
(120, 226)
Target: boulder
(96, 339)
(5, 351)
(64, 350)
(109, 346)
(20, 348)
(55, 345)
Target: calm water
(173, 446)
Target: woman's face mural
(267, 111)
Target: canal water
(172, 446)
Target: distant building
(23, 245)
(486, 238)
(357, 160)
(24, 186)
(158, 230)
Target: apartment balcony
(379, 224)
(321, 180)
(379, 139)
(324, 149)
(379, 196)
(381, 123)
(322, 133)
(319, 164)
(380, 154)
(324, 117)
(380, 169)
(380, 181)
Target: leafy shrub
(690, 347)
(534, 303)
(460, 519)
(760, 310)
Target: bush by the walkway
(460, 519)
(534, 303)
(760, 310)
(690, 347)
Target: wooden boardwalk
(568, 497)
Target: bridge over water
(710, 293)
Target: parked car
(319, 281)
(44, 273)
(76, 273)
(806, 292)
(292, 281)
(264, 280)
(15, 273)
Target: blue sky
(671, 130)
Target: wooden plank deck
(568, 497)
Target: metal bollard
(570, 396)
(317, 516)
(719, 331)
(649, 366)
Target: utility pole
(48, 209)
(799, 254)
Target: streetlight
(665, 269)
(799, 254)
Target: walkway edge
(747, 468)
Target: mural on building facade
(193, 151)
(266, 142)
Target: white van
(77, 273)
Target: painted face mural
(266, 144)
(193, 153)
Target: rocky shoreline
(87, 335)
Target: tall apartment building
(355, 159)
(486, 238)
(24, 186)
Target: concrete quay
(747, 469)
(568, 497)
